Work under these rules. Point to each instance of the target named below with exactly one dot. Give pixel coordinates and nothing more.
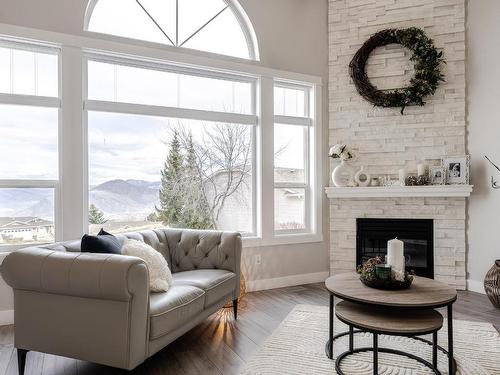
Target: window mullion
(267, 157)
(73, 170)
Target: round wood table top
(389, 321)
(423, 292)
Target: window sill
(277, 240)
(284, 239)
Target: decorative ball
(411, 181)
(423, 180)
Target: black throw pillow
(102, 232)
(103, 243)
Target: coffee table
(423, 294)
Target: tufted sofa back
(184, 249)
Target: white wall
(483, 75)
(292, 35)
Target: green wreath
(427, 73)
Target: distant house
(289, 202)
(19, 230)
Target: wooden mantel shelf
(399, 191)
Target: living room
(189, 186)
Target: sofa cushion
(170, 310)
(101, 244)
(160, 277)
(216, 283)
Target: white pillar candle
(421, 168)
(402, 176)
(395, 255)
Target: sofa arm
(100, 276)
(93, 307)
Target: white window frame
(305, 122)
(71, 212)
(41, 102)
(175, 112)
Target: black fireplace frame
(379, 229)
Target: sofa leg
(235, 308)
(21, 360)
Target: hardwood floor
(219, 345)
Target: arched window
(218, 26)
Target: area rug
(298, 347)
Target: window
(29, 130)
(169, 148)
(216, 26)
(292, 157)
(96, 133)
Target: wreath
(427, 73)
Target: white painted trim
(400, 191)
(36, 184)
(171, 112)
(293, 120)
(131, 47)
(6, 317)
(475, 286)
(282, 239)
(285, 281)
(30, 100)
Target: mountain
(118, 199)
(27, 202)
(125, 199)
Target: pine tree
(196, 213)
(96, 216)
(171, 204)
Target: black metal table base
(376, 350)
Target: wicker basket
(492, 284)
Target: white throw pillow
(160, 277)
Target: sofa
(98, 307)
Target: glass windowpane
(26, 216)
(125, 18)
(127, 84)
(289, 209)
(223, 35)
(125, 173)
(289, 102)
(205, 25)
(289, 153)
(29, 142)
(28, 73)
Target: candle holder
(383, 271)
(368, 276)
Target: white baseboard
(281, 282)
(6, 317)
(475, 286)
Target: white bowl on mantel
(463, 191)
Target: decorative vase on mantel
(343, 174)
(492, 284)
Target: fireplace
(417, 234)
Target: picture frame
(437, 175)
(456, 169)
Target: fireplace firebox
(417, 235)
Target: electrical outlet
(258, 259)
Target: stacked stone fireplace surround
(387, 141)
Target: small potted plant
(343, 174)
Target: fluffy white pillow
(160, 277)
